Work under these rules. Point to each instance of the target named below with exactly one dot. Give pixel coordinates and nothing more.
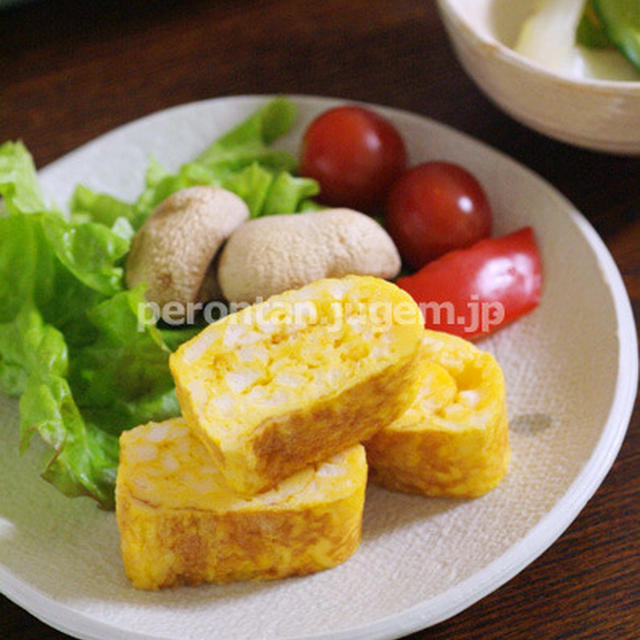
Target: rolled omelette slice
(180, 524)
(294, 380)
(453, 440)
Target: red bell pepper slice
(475, 291)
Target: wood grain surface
(70, 71)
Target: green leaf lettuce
(74, 343)
(241, 161)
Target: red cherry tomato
(472, 292)
(355, 155)
(434, 208)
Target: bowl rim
(453, 16)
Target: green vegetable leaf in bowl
(607, 23)
(621, 22)
(590, 32)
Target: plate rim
(520, 555)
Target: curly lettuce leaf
(18, 180)
(52, 273)
(174, 337)
(33, 363)
(252, 184)
(268, 194)
(241, 160)
(122, 379)
(89, 251)
(86, 205)
(84, 459)
(74, 344)
(28, 345)
(288, 193)
(63, 268)
(160, 184)
(250, 141)
(129, 384)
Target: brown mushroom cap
(269, 255)
(172, 251)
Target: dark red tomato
(355, 155)
(434, 208)
(472, 292)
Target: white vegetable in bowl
(269, 255)
(548, 37)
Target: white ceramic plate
(571, 371)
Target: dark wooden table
(70, 71)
